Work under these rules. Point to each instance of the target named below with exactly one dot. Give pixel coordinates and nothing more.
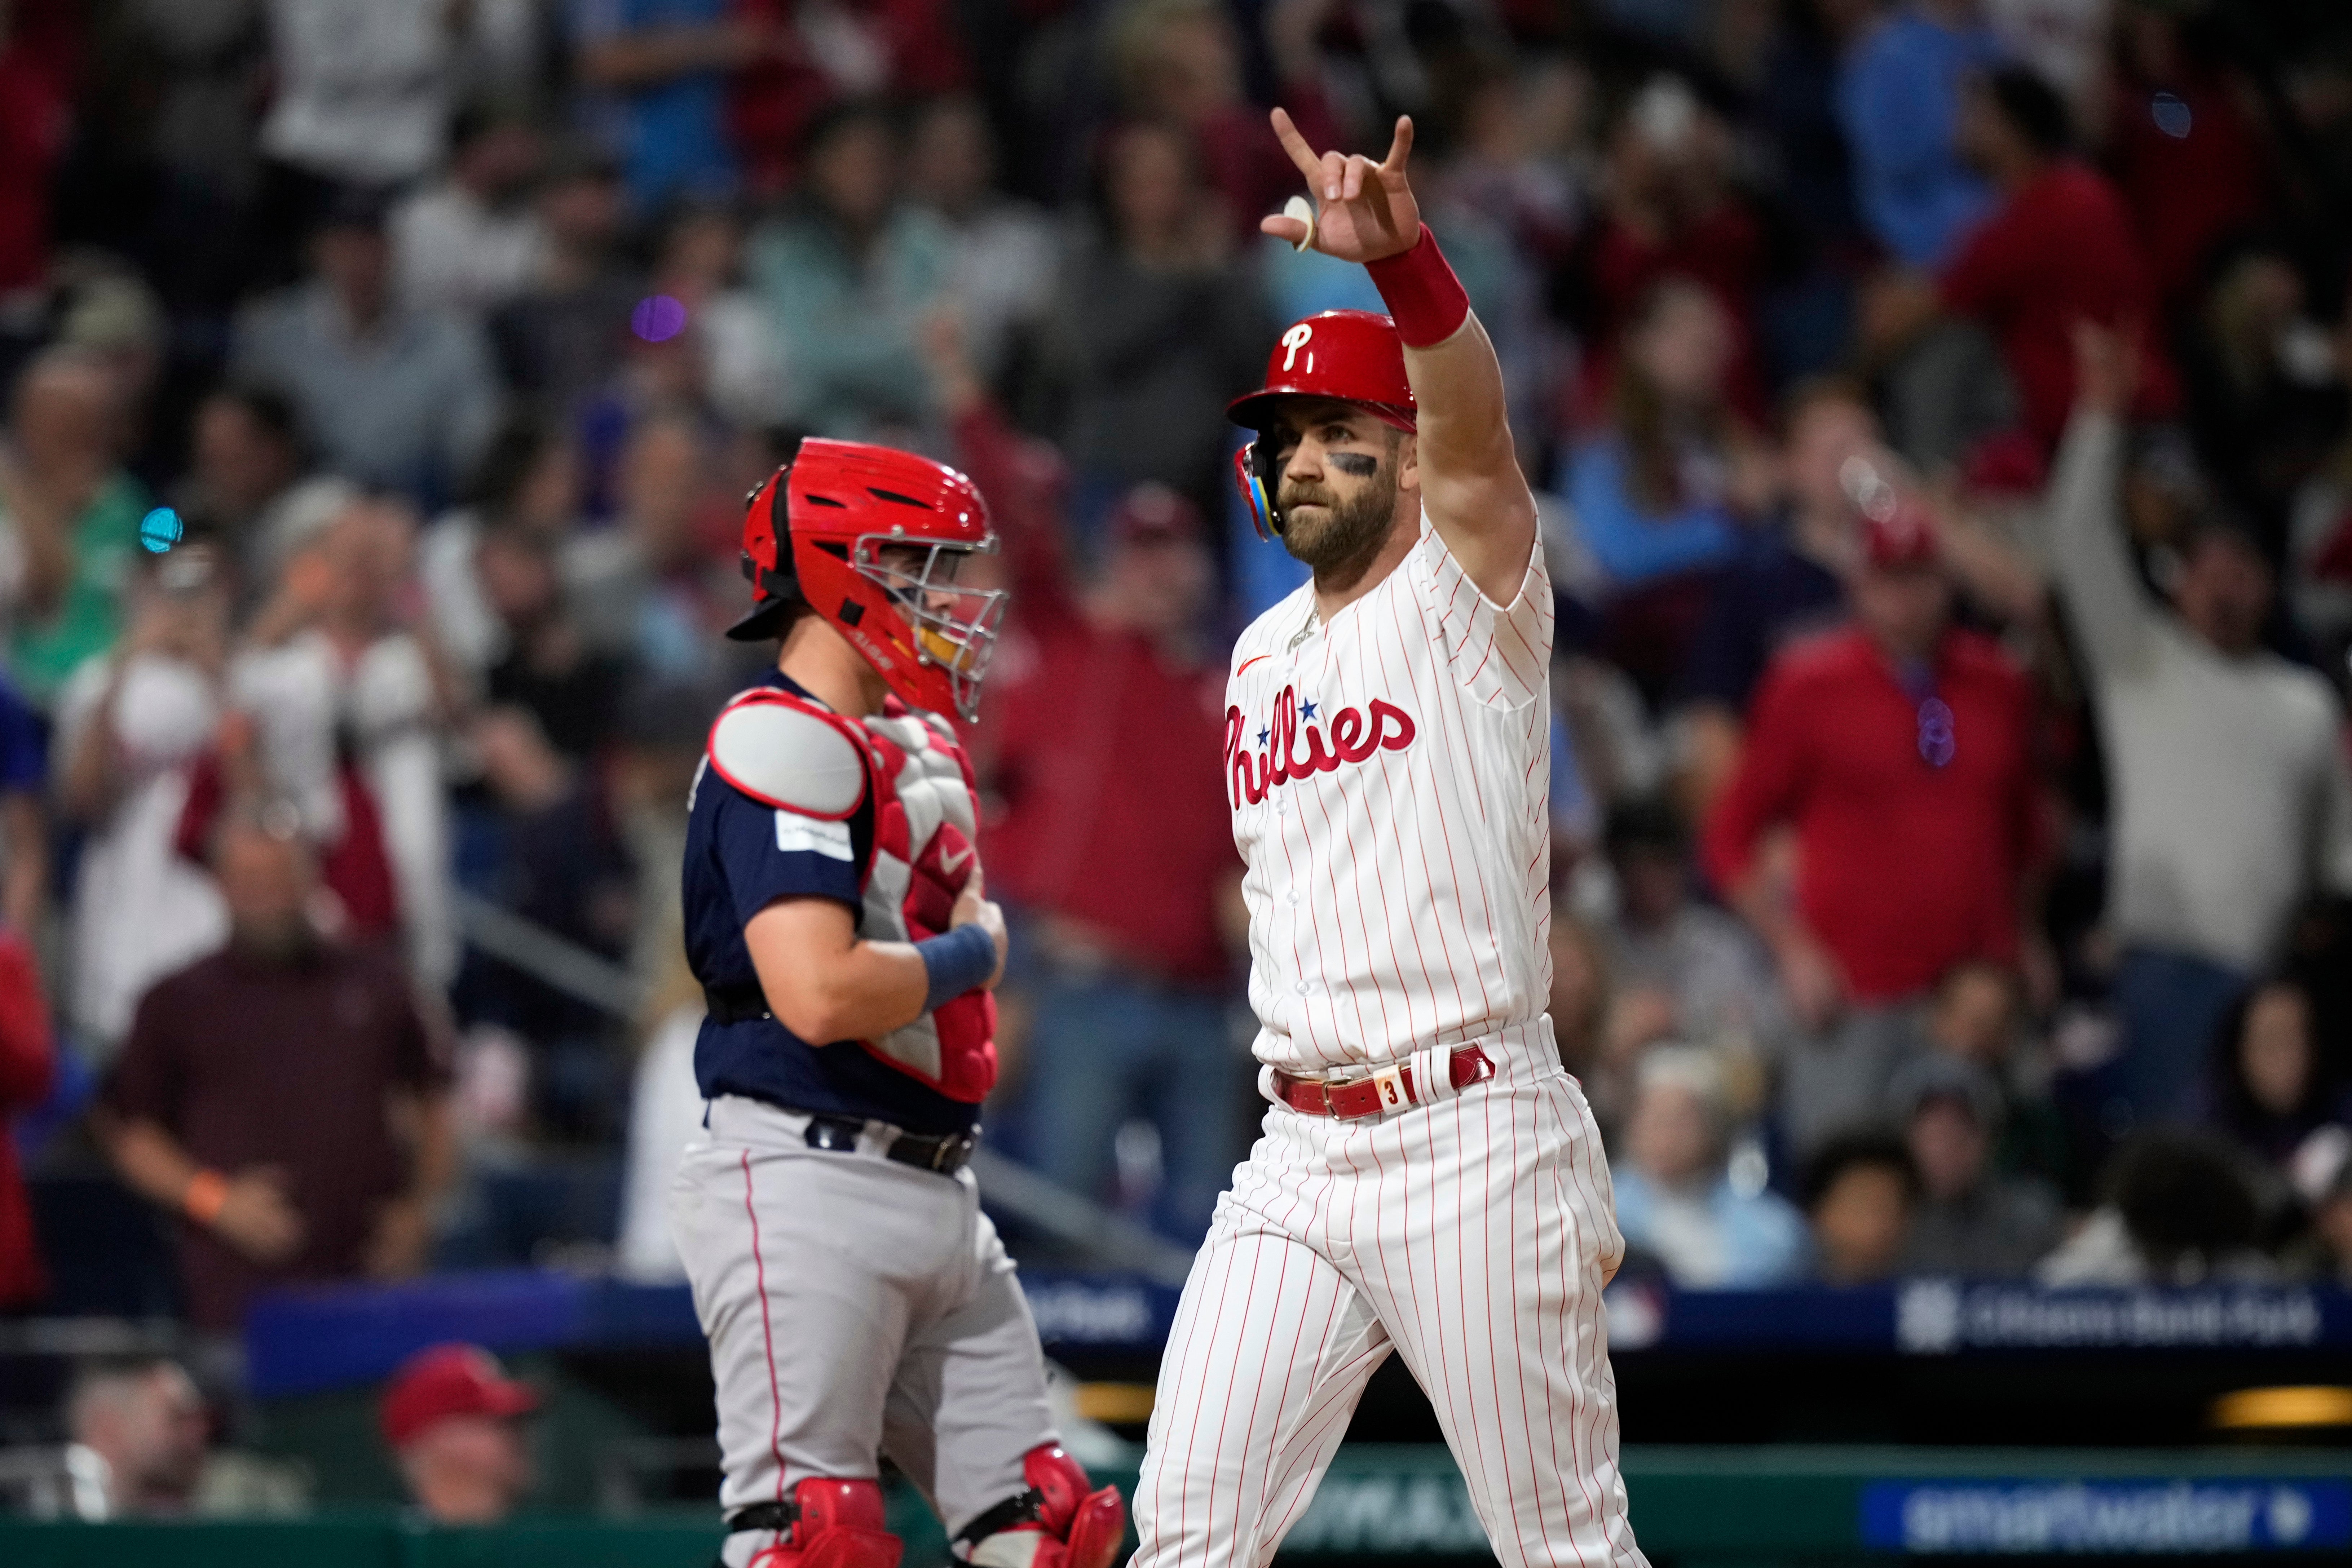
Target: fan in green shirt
(43, 648)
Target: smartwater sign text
(2107, 1518)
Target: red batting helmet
(870, 539)
(1351, 356)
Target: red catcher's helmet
(1352, 356)
(870, 539)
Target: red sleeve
(208, 793)
(1984, 278)
(1764, 789)
(1023, 481)
(28, 1062)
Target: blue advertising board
(2107, 1518)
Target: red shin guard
(839, 1526)
(1059, 1522)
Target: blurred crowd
(1943, 415)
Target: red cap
(1152, 513)
(2006, 463)
(1354, 355)
(1902, 540)
(449, 1380)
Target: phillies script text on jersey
(1354, 737)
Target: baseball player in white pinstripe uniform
(1430, 1180)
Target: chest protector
(926, 823)
(788, 753)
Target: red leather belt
(1388, 1089)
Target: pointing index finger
(1399, 148)
(1296, 145)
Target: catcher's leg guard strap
(827, 1523)
(1058, 1522)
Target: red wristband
(207, 1196)
(1423, 296)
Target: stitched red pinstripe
(1484, 615)
(1386, 1038)
(1176, 1373)
(1421, 842)
(1299, 963)
(1309, 1144)
(1581, 1214)
(1226, 1432)
(1330, 1399)
(1510, 1329)
(1485, 900)
(1535, 592)
(1527, 1178)
(1490, 1276)
(1576, 1319)
(1450, 1109)
(1467, 632)
(1415, 1343)
(1384, 1049)
(1321, 1428)
(1593, 1174)
(1193, 1390)
(1448, 612)
(1225, 1260)
(1605, 1380)
(1194, 1379)
(1463, 1402)
(1281, 1283)
(1558, 1234)
(1388, 924)
(1331, 880)
(1601, 1442)
(1592, 1213)
(1320, 1435)
(766, 1333)
(1278, 1439)
(1389, 767)
(1441, 800)
(1283, 1430)
(1445, 835)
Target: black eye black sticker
(1354, 463)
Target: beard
(1346, 531)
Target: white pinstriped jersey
(1387, 774)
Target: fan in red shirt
(1900, 749)
(2060, 248)
(27, 1065)
(1672, 212)
(1107, 827)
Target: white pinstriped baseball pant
(1472, 1234)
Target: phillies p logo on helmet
(1348, 356)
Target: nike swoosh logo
(948, 864)
(1237, 673)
